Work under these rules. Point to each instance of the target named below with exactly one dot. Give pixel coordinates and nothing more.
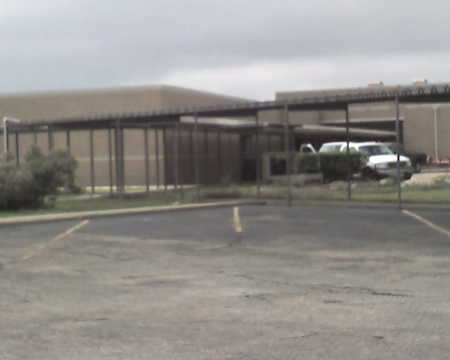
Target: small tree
(53, 171)
(36, 178)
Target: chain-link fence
(203, 160)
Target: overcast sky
(250, 48)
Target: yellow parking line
(427, 222)
(36, 250)
(237, 220)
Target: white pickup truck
(379, 160)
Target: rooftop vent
(420, 82)
(375, 84)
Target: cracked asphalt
(297, 283)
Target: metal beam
(177, 163)
(257, 158)
(6, 139)
(219, 155)
(397, 130)
(68, 142)
(118, 153)
(110, 162)
(157, 157)
(122, 159)
(147, 171)
(206, 155)
(287, 149)
(349, 161)
(17, 149)
(50, 139)
(415, 94)
(91, 160)
(191, 157)
(269, 142)
(166, 158)
(196, 159)
(175, 157)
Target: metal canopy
(424, 94)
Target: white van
(380, 161)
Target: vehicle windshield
(394, 147)
(330, 148)
(370, 150)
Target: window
(370, 150)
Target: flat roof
(415, 94)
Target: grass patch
(228, 192)
(76, 203)
(364, 191)
(438, 193)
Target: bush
(11, 181)
(52, 171)
(308, 163)
(334, 165)
(38, 177)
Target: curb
(31, 219)
(364, 205)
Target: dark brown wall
(219, 161)
(221, 154)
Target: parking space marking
(427, 222)
(237, 220)
(36, 250)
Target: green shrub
(57, 169)
(334, 165)
(37, 178)
(308, 163)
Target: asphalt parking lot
(296, 283)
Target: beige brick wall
(418, 129)
(443, 132)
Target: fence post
(35, 136)
(119, 153)
(91, 160)
(179, 160)
(166, 157)
(349, 160)
(397, 131)
(110, 161)
(257, 157)
(68, 142)
(287, 149)
(157, 157)
(17, 148)
(196, 160)
(49, 138)
(206, 155)
(146, 159)
(219, 156)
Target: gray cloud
(72, 44)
